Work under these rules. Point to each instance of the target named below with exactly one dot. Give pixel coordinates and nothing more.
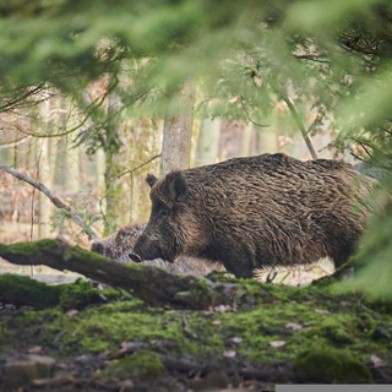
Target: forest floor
(94, 339)
(85, 337)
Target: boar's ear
(151, 180)
(177, 187)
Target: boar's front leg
(235, 261)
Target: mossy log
(153, 285)
(23, 291)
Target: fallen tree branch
(56, 200)
(153, 285)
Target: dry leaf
(277, 343)
(376, 361)
(229, 354)
(322, 311)
(223, 308)
(129, 347)
(235, 340)
(35, 350)
(294, 326)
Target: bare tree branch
(300, 126)
(131, 171)
(17, 100)
(56, 200)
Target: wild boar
(120, 245)
(255, 212)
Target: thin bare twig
(300, 125)
(12, 103)
(16, 142)
(97, 102)
(56, 200)
(317, 59)
(124, 173)
(131, 171)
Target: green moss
(258, 314)
(338, 329)
(143, 365)
(77, 252)
(21, 290)
(330, 366)
(83, 293)
(201, 293)
(35, 247)
(105, 327)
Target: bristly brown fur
(267, 210)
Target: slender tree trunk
(44, 174)
(113, 189)
(267, 141)
(4, 156)
(60, 168)
(177, 135)
(246, 146)
(111, 193)
(45, 177)
(73, 168)
(72, 158)
(100, 175)
(208, 142)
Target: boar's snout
(146, 249)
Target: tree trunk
(267, 141)
(208, 141)
(44, 175)
(112, 193)
(113, 188)
(72, 169)
(246, 146)
(177, 135)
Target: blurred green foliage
(336, 55)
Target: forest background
(93, 96)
